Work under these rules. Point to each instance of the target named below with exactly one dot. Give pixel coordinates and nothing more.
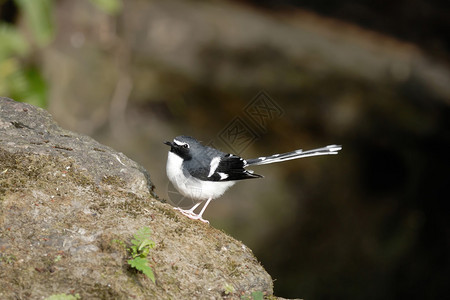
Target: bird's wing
(222, 168)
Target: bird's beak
(168, 143)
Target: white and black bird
(203, 173)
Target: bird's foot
(186, 212)
(191, 215)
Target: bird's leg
(188, 213)
(199, 216)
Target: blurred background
(262, 77)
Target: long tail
(331, 149)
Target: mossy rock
(65, 201)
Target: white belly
(191, 187)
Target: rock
(68, 207)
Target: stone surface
(66, 201)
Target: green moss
(63, 297)
(208, 266)
(7, 258)
(99, 206)
(233, 268)
(113, 180)
(131, 206)
(168, 212)
(66, 206)
(23, 171)
(101, 291)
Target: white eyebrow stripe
(214, 164)
(179, 143)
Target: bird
(203, 173)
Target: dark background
(373, 76)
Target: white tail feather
(331, 149)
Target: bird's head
(183, 146)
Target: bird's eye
(185, 146)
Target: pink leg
(199, 216)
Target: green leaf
(111, 7)
(149, 273)
(146, 243)
(136, 243)
(133, 251)
(258, 295)
(141, 264)
(142, 234)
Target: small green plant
(257, 295)
(120, 243)
(141, 245)
(7, 258)
(228, 289)
(64, 297)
